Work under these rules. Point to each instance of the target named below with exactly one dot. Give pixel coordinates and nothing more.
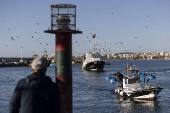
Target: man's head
(118, 73)
(39, 64)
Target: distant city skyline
(120, 26)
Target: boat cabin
(132, 82)
(93, 57)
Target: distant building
(130, 55)
(109, 56)
(156, 54)
(162, 53)
(127, 55)
(166, 54)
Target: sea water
(92, 93)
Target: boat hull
(94, 66)
(142, 94)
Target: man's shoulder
(24, 80)
(49, 80)
(21, 81)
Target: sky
(120, 26)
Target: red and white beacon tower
(63, 25)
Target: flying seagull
(12, 38)
(148, 16)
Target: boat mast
(95, 45)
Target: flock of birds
(103, 46)
(38, 41)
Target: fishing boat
(93, 61)
(52, 63)
(135, 87)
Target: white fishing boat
(93, 61)
(135, 87)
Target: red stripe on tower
(63, 41)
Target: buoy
(82, 67)
(143, 75)
(113, 80)
(151, 78)
(108, 78)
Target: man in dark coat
(36, 93)
(120, 78)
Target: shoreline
(13, 65)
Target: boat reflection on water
(129, 105)
(93, 72)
